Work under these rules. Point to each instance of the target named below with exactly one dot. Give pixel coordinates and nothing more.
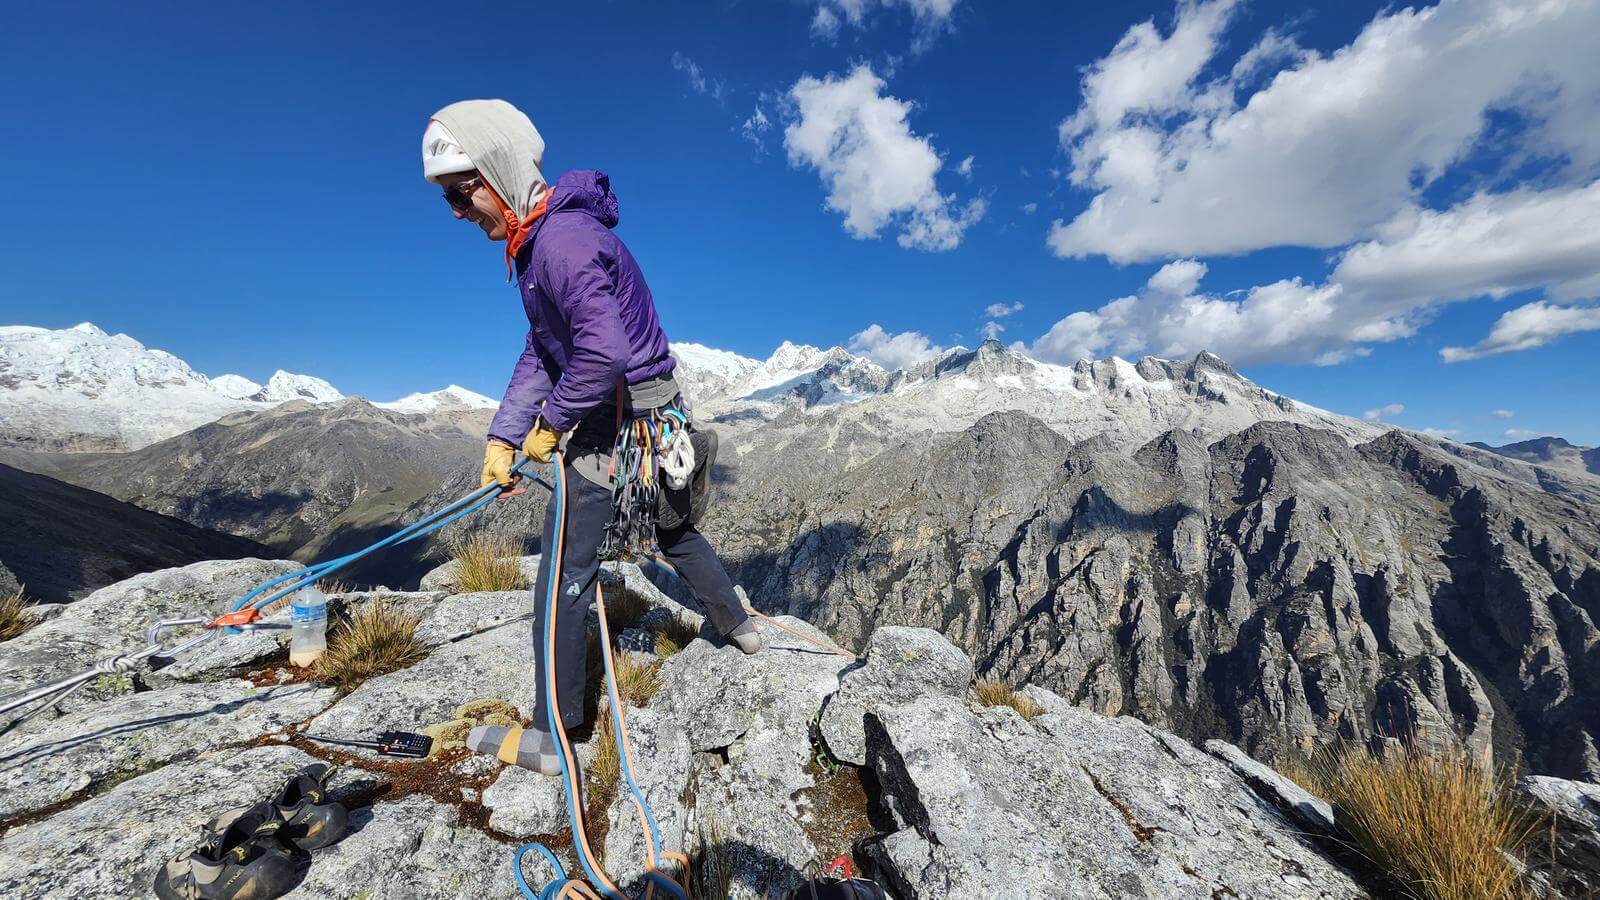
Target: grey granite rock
(115, 618)
(456, 616)
(1076, 805)
(899, 664)
(662, 766)
(493, 664)
(110, 846)
(106, 741)
(749, 718)
(410, 849)
(1305, 808)
(1572, 808)
(522, 803)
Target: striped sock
(517, 746)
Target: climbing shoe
(239, 858)
(310, 819)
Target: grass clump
(624, 608)
(637, 682)
(1436, 820)
(993, 692)
(605, 771)
(674, 636)
(485, 563)
(375, 641)
(15, 617)
(710, 869)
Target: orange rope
(580, 835)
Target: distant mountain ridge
(59, 541)
(1550, 451)
(81, 389)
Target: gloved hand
(497, 459)
(541, 441)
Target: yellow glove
(541, 441)
(497, 459)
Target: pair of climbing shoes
(249, 853)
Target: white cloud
(931, 17)
(991, 330)
(1522, 434)
(876, 170)
(1384, 412)
(755, 129)
(1188, 156)
(1503, 414)
(893, 351)
(697, 77)
(1287, 320)
(1380, 290)
(1441, 432)
(1029, 209)
(1001, 310)
(964, 169)
(1531, 325)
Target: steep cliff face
(1278, 587)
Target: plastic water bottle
(308, 633)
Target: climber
(595, 364)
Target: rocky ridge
(736, 754)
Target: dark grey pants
(588, 511)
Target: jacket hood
(586, 190)
(503, 146)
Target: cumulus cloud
(1384, 412)
(1441, 432)
(893, 350)
(1188, 156)
(1380, 290)
(964, 168)
(1001, 310)
(1502, 413)
(1532, 325)
(877, 172)
(991, 330)
(1287, 320)
(931, 17)
(698, 80)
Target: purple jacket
(593, 320)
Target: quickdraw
(649, 441)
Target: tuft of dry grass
(605, 771)
(624, 608)
(333, 585)
(636, 682)
(1436, 820)
(376, 641)
(486, 563)
(15, 617)
(993, 692)
(674, 636)
(710, 869)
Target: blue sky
(1331, 196)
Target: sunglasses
(459, 195)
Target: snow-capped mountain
(453, 397)
(80, 388)
(1128, 401)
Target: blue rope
(421, 528)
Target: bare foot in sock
(746, 638)
(528, 748)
